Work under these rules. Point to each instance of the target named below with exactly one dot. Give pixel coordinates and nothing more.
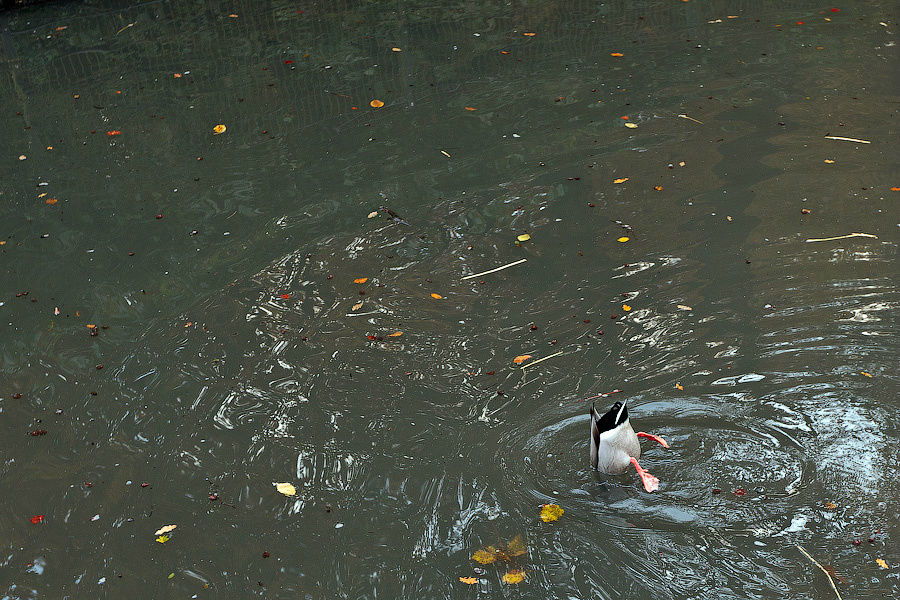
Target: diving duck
(615, 445)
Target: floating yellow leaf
(530, 34)
(631, 125)
(521, 358)
(616, 54)
(623, 239)
(626, 308)
(436, 296)
(486, 555)
(551, 512)
(658, 188)
(219, 129)
(376, 103)
(829, 161)
(360, 280)
(514, 576)
(524, 237)
(469, 580)
(881, 563)
(678, 386)
(372, 214)
(165, 529)
(396, 49)
(286, 489)
(620, 180)
(395, 334)
(517, 546)
(357, 306)
(162, 539)
(866, 374)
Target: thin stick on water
(512, 264)
(531, 364)
(841, 237)
(827, 574)
(846, 139)
(690, 119)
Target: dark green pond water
(180, 328)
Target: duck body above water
(615, 445)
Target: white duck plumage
(615, 445)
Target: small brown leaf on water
(514, 576)
(51, 201)
(517, 546)
(830, 505)
(486, 555)
(521, 358)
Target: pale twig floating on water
(846, 139)
(690, 119)
(827, 574)
(531, 364)
(124, 28)
(841, 237)
(512, 264)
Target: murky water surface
(211, 340)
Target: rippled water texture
(211, 341)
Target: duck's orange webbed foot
(651, 483)
(655, 438)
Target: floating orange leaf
(521, 358)
(219, 129)
(895, 189)
(285, 296)
(113, 132)
(626, 308)
(866, 374)
(881, 563)
(678, 386)
(360, 280)
(517, 546)
(620, 180)
(486, 555)
(530, 34)
(376, 103)
(616, 54)
(469, 580)
(395, 334)
(514, 576)
(436, 296)
(551, 512)
(176, 75)
(830, 505)
(658, 188)
(51, 201)
(471, 108)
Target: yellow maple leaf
(469, 580)
(626, 308)
(521, 358)
(514, 576)
(551, 512)
(286, 489)
(486, 555)
(162, 539)
(881, 563)
(517, 546)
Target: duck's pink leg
(651, 483)
(655, 438)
